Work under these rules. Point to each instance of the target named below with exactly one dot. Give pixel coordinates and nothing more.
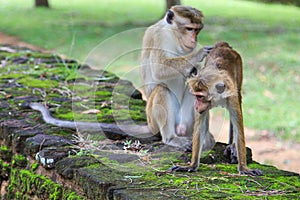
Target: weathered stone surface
(8, 127)
(96, 182)
(48, 157)
(40, 141)
(97, 168)
(24, 100)
(66, 167)
(218, 155)
(143, 193)
(19, 138)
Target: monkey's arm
(122, 130)
(170, 67)
(201, 128)
(189, 60)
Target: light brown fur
(169, 55)
(219, 83)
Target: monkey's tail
(137, 131)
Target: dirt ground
(266, 148)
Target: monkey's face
(186, 22)
(215, 82)
(188, 33)
(210, 87)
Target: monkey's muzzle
(202, 101)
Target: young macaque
(219, 83)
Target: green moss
(82, 89)
(106, 115)
(103, 95)
(70, 195)
(29, 185)
(67, 116)
(217, 181)
(4, 169)
(11, 76)
(138, 115)
(53, 95)
(38, 83)
(108, 161)
(5, 153)
(97, 137)
(34, 166)
(19, 161)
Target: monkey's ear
(170, 16)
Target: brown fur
(188, 12)
(223, 66)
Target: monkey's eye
(189, 29)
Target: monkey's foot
(252, 172)
(231, 153)
(182, 169)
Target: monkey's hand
(182, 169)
(202, 53)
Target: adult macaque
(219, 83)
(170, 55)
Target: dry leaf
(91, 111)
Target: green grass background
(266, 35)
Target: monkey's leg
(201, 127)
(230, 141)
(186, 115)
(162, 110)
(155, 110)
(209, 140)
(236, 117)
(230, 150)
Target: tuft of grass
(266, 35)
